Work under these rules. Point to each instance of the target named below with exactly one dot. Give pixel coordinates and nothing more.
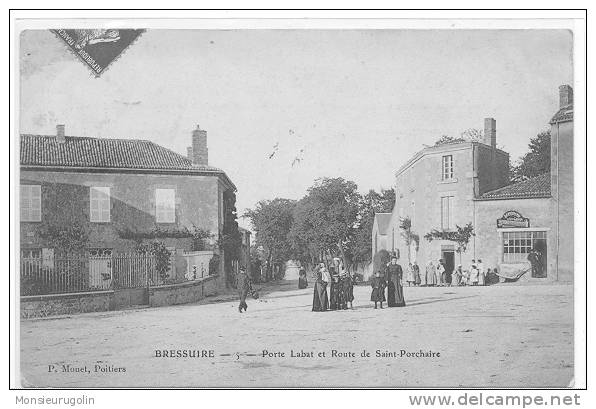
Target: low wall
(74, 303)
(182, 293)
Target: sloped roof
(563, 115)
(105, 153)
(383, 220)
(538, 186)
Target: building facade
(455, 183)
(436, 189)
(561, 133)
(113, 194)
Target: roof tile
(563, 115)
(538, 186)
(44, 150)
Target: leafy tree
(230, 239)
(373, 202)
(461, 236)
(473, 134)
(536, 161)
(272, 221)
(445, 139)
(68, 238)
(325, 219)
(405, 225)
(162, 257)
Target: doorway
(539, 263)
(448, 257)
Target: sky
(350, 103)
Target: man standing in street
(243, 286)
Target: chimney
(565, 95)
(200, 155)
(60, 137)
(490, 132)
(189, 153)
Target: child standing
(378, 285)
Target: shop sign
(512, 219)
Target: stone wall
(182, 293)
(418, 195)
(74, 303)
(65, 200)
(488, 242)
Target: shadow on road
(432, 301)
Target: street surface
(498, 336)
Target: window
(447, 219)
(447, 167)
(30, 253)
(99, 204)
(165, 205)
(30, 203)
(517, 245)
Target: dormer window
(447, 167)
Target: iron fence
(56, 275)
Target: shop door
(539, 267)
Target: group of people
(475, 275)
(437, 275)
(334, 287)
(391, 279)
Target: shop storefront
(514, 234)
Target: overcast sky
(357, 103)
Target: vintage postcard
(291, 204)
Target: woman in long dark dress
(319, 300)
(334, 289)
(347, 284)
(395, 291)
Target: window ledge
(447, 181)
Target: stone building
(455, 183)
(379, 232)
(120, 191)
(561, 134)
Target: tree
(230, 239)
(446, 139)
(473, 134)
(272, 221)
(325, 220)
(360, 247)
(536, 161)
(461, 236)
(405, 225)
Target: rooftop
(445, 147)
(105, 153)
(564, 114)
(535, 187)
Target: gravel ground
(498, 336)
